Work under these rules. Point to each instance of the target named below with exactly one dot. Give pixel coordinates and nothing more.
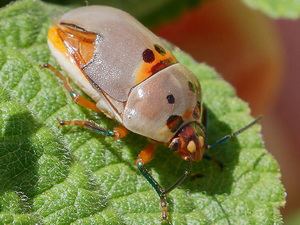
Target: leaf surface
(73, 176)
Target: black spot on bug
(171, 99)
(174, 122)
(148, 56)
(191, 87)
(197, 110)
(160, 49)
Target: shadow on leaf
(18, 160)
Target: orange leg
(117, 133)
(146, 155)
(120, 132)
(76, 97)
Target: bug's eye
(175, 144)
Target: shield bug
(133, 78)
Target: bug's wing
(120, 58)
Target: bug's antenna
(234, 133)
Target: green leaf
(277, 8)
(70, 175)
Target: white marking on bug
(191, 147)
(132, 113)
(140, 93)
(201, 140)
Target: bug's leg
(76, 97)
(144, 157)
(120, 132)
(179, 181)
(163, 195)
(117, 133)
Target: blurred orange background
(259, 56)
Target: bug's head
(188, 142)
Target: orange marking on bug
(187, 114)
(174, 122)
(79, 44)
(56, 40)
(160, 62)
